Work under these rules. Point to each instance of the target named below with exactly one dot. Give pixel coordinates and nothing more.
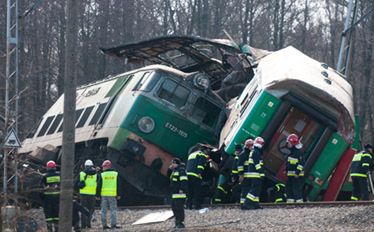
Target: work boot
(50, 226)
(56, 226)
(180, 225)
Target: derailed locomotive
(143, 118)
(140, 120)
(294, 94)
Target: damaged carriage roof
(186, 53)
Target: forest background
(312, 26)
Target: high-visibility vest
(109, 184)
(90, 183)
(54, 185)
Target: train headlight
(146, 124)
(201, 81)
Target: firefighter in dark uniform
(359, 173)
(244, 178)
(223, 190)
(178, 186)
(195, 166)
(236, 190)
(87, 189)
(255, 175)
(294, 169)
(280, 193)
(51, 196)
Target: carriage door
(296, 122)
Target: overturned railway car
(140, 120)
(292, 93)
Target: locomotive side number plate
(176, 130)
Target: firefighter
(235, 190)
(178, 186)
(294, 169)
(51, 195)
(244, 178)
(234, 169)
(196, 163)
(254, 175)
(359, 173)
(280, 193)
(223, 189)
(108, 188)
(87, 189)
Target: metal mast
(11, 82)
(345, 40)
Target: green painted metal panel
(120, 136)
(173, 132)
(326, 163)
(255, 120)
(118, 85)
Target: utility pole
(68, 137)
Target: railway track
(265, 205)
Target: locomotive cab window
(147, 81)
(206, 112)
(173, 93)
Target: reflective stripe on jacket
(360, 164)
(51, 183)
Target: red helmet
(106, 164)
(259, 142)
(51, 164)
(293, 139)
(248, 143)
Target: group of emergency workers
(241, 181)
(244, 183)
(92, 185)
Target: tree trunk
(68, 137)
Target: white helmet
(88, 163)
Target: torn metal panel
(216, 58)
(155, 217)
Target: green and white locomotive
(140, 120)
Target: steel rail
(264, 205)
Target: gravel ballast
(340, 218)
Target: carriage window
(206, 112)
(97, 114)
(32, 132)
(77, 115)
(45, 126)
(55, 124)
(86, 114)
(173, 93)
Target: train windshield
(173, 93)
(147, 80)
(206, 112)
